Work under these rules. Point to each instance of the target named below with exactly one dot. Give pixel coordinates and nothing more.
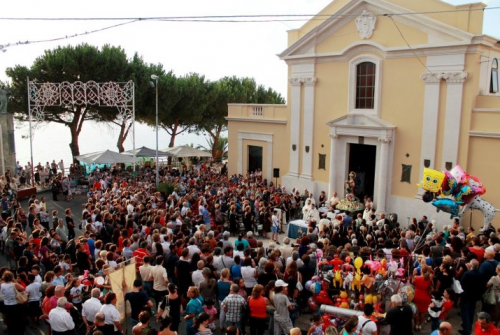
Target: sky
(212, 49)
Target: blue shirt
(236, 271)
(347, 220)
(61, 280)
(91, 244)
(244, 242)
(194, 306)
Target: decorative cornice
(294, 81)
(384, 139)
(431, 78)
(308, 81)
(455, 77)
(257, 120)
(334, 136)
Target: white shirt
(60, 320)
(130, 209)
(90, 308)
(33, 291)
(275, 221)
(368, 328)
(77, 293)
(197, 277)
(298, 261)
(160, 278)
(248, 275)
(111, 315)
(145, 271)
(193, 249)
(239, 253)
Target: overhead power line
(216, 18)
(259, 18)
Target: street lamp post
(155, 83)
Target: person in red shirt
(139, 255)
(484, 326)
(336, 262)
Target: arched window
(494, 76)
(365, 85)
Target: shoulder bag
(489, 296)
(299, 284)
(166, 307)
(457, 287)
(21, 296)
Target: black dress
(175, 311)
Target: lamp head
(154, 77)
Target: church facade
(383, 89)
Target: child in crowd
(435, 309)
(447, 304)
(211, 311)
(76, 293)
(65, 263)
(34, 297)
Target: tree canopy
(186, 103)
(74, 63)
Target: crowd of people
(191, 274)
(40, 176)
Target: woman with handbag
(494, 285)
(12, 308)
(170, 306)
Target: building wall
(465, 118)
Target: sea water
(51, 140)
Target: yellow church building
(384, 89)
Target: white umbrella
(146, 152)
(186, 151)
(106, 157)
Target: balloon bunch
(448, 190)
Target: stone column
(240, 154)
(332, 183)
(294, 127)
(7, 143)
(382, 174)
(269, 167)
(453, 115)
(308, 128)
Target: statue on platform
(4, 98)
(350, 203)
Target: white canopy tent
(186, 151)
(106, 157)
(146, 152)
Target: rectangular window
(365, 85)
(322, 162)
(406, 174)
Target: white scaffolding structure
(109, 94)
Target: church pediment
(361, 22)
(361, 125)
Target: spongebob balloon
(450, 190)
(432, 180)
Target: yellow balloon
(358, 262)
